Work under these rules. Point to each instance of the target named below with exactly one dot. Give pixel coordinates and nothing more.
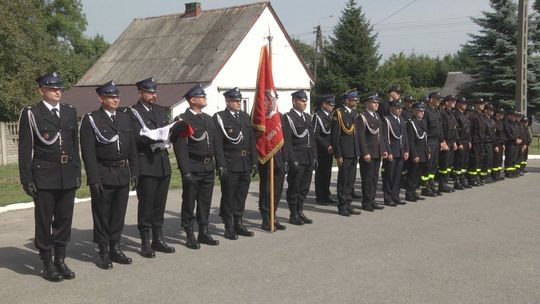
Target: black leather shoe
(295, 220)
(266, 226)
(146, 249)
(351, 210)
(161, 246)
(399, 202)
(419, 197)
(279, 226)
(458, 186)
(427, 192)
(204, 236)
(240, 228)
(304, 218)
(322, 202)
(117, 255)
(376, 206)
(368, 207)
(330, 201)
(191, 241)
(104, 261)
(230, 234)
(344, 212)
(59, 257)
(50, 272)
(390, 204)
(410, 198)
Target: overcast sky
(431, 27)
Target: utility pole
(521, 62)
(318, 48)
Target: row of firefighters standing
(123, 146)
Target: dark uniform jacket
(490, 129)
(241, 156)
(463, 128)
(433, 120)
(418, 146)
(322, 128)
(395, 135)
(372, 144)
(478, 128)
(109, 163)
(511, 132)
(345, 145)
(500, 138)
(449, 127)
(198, 155)
(302, 149)
(151, 163)
(55, 166)
(406, 113)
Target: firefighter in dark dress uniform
(198, 156)
(346, 149)
(322, 126)
(397, 141)
(110, 158)
(461, 155)
(240, 151)
(303, 151)
(419, 152)
(373, 150)
(154, 168)
(393, 93)
(50, 172)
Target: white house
(218, 48)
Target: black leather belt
(62, 158)
(115, 163)
(206, 159)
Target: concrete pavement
(475, 246)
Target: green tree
(306, 52)
(351, 55)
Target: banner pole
(272, 203)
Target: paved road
(475, 246)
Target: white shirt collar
(397, 118)
(349, 110)
(371, 112)
(147, 108)
(194, 113)
(233, 112)
(50, 107)
(109, 113)
(327, 113)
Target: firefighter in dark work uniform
(240, 151)
(461, 155)
(433, 120)
(498, 145)
(154, 168)
(449, 145)
(198, 156)
(478, 131)
(110, 157)
(513, 141)
(322, 126)
(487, 159)
(303, 151)
(50, 172)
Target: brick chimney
(193, 9)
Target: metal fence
(9, 141)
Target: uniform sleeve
(361, 135)
(404, 137)
(335, 135)
(287, 137)
(180, 149)
(413, 149)
(219, 154)
(321, 141)
(88, 149)
(385, 134)
(133, 156)
(25, 148)
(76, 157)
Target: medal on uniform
(46, 135)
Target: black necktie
(113, 118)
(55, 112)
(236, 115)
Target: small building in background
(219, 48)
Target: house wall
(241, 69)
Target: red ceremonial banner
(265, 116)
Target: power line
(399, 10)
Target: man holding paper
(151, 125)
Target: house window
(245, 105)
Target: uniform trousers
(413, 176)
(475, 159)
(369, 171)
(510, 157)
(197, 194)
(446, 159)
(264, 187)
(108, 212)
(432, 165)
(152, 195)
(497, 158)
(487, 159)
(298, 183)
(323, 174)
(391, 177)
(53, 208)
(461, 160)
(234, 191)
(345, 182)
